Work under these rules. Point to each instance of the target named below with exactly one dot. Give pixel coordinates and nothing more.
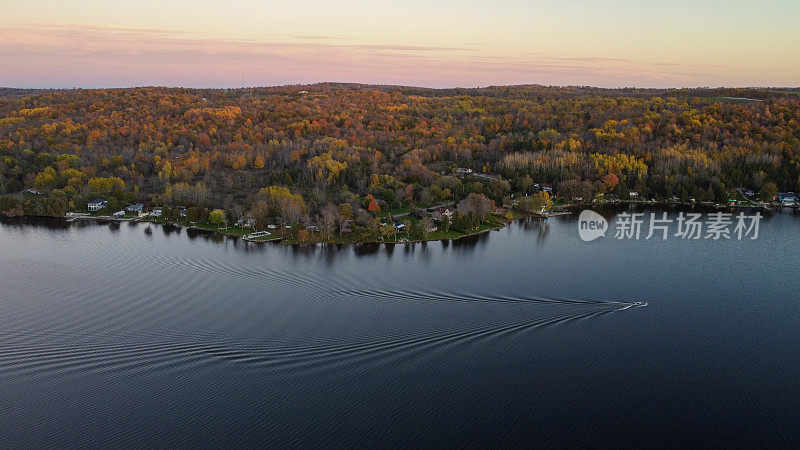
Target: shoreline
(497, 224)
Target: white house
(248, 222)
(97, 204)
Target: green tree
(769, 191)
(216, 217)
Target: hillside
(337, 144)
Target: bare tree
(330, 218)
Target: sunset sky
(425, 43)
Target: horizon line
(584, 86)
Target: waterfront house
(248, 223)
(633, 194)
(156, 212)
(440, 213)
(788, 199)
(135, 208)
(118, 214)
(97, 204)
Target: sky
(445, 43)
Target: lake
(148, 335)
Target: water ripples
(164, 316)
(40, 359)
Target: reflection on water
(114, 334)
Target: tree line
(295, 154)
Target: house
(399, 226)
(547, 187)
(440, 213)
(32, 191)
(156, 212)
(118, 214)
(749, 192)
(787, 199)
(488, 176)
(135, 208)
(97, 204)
(633, 194)
(248, 223)
(463, 171)
(272, 226)
(182, 212)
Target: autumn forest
(297, 154)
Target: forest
(325, 153)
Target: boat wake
(106, 330)
(46, 359)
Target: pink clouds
(66, 56)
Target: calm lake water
(132, 335)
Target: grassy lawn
(394, 211)
(493, 222)
(230, 231)
(439, 235)
(736, 195)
